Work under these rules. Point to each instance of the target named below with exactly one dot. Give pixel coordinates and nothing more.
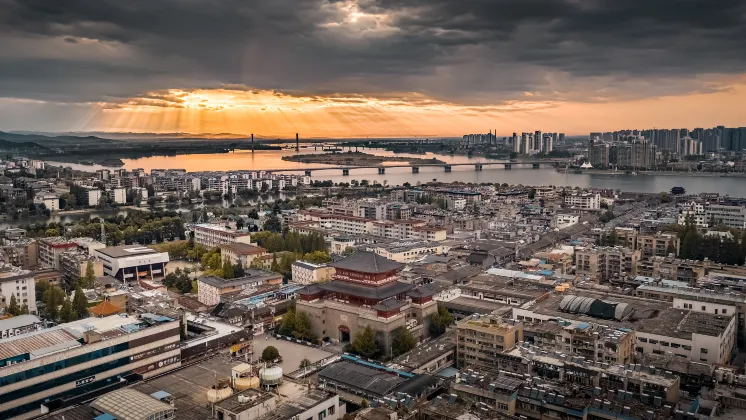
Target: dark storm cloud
(469, 51)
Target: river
(272, 159)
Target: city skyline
(370, 68)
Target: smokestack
(252, 142)
(296, 142)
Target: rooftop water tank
(270, 375)
(218, 394)
(242, 384)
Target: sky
(370, 68)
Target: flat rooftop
(427, 352)
(648, 316)
(124, 251)
(189, 386)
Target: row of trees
(725, 249)
(179, 279)
(368, 344)
(290, 241)
(298, 325)
(58, 307)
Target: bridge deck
(423, 165)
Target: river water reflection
(272, 159)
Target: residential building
(594, 342)
(305, 272)
(50, 368)
(92, 196)
(406, 251)
(212, 236)
(74, 264)
(583, 201)
(20, 283)
(50, 200)
(239, 253)
(606, 263)
(480, 340)
(210, 289)
(118, 195)
(50, 250)
(254, 404)
(22, 253)
(729, 215)
(132, 262)
(659, 244)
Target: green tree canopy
(365, 343)
(80, 303)
(13, 307)
(440, 321)
(288, 323)
(270, 353)
(402, 341)
(66, 311)
(303, 329)
(304, 363)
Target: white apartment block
(50, 200)
(211, 236)
(584, 201)
(304, 272)
(20, 283)
(93, 196)
(118, 195)
(702, 215)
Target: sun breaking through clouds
(369, 67)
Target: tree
(66, 311)
(270, 353)
(273, 224)
(89, 279)
(24, 309)
(13, 308)
(228, 269)
(80, 303)
(253, 214)
(52, 300)
(402, 341)
(238, 271)
(440, 321)
(365, 343)
(304, 363)
(51, 233)
(531, 194)
(302, 329)
(288, 323)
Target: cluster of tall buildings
(525, 144)
(536, 142)
(683, 141)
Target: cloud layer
(472, 52)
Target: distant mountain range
(52, 140)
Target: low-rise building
(606, 263)
(240, 253)
(74, 265)
(132, 262)
(406, 251)
(211, 288)
(50, 200)
(50, 249)
(22, 253)
(583, 201)
(254, 404)
(305, 272)
(480, 339)
(212, 236)
(20, 283)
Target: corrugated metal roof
(27, 343)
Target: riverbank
(357, 159)
(657, 173)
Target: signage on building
(84, 381)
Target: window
(322, 414)
(643, 340)
(724, 311)
(703, 350)
(704, 308)
(330, 410)
(689, 348)
(653, 341)
(675, 345)
(664, 343)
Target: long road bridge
(447, 167)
